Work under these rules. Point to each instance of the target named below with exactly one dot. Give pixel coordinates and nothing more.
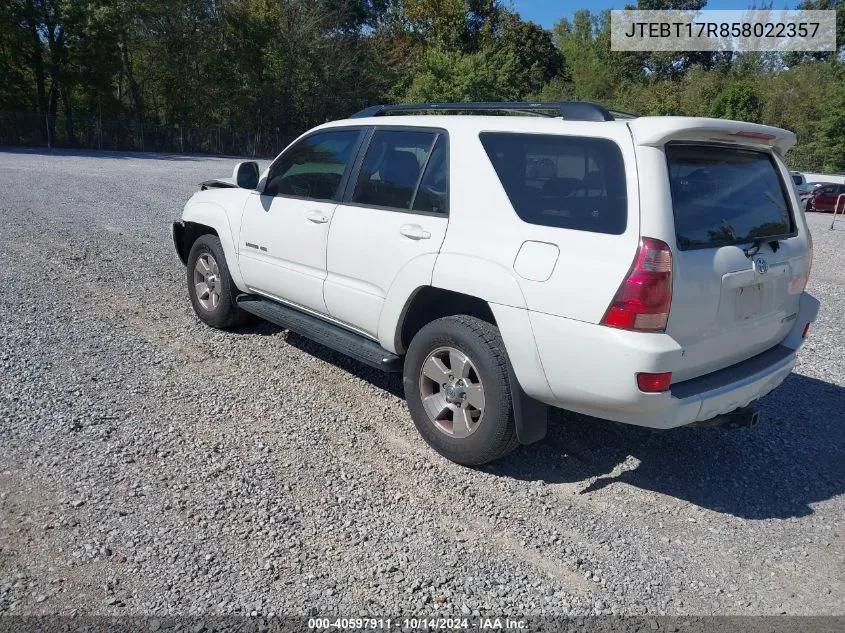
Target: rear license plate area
(748, 301)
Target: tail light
(654, 383)
(806, 331)
(643, 300)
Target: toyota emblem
(761, 265)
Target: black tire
(226, 312)
(494, 436)
(808, 206)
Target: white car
(645, 270)
(798, 178)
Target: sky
(546, 13)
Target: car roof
(648, 130)
(510, 123)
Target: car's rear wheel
(456, 385)
(210, 286)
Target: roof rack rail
(571, 110)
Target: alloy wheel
(207, 282)
(452, 392)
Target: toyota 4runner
(647, 270)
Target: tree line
(281, 66)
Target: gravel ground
(150, 464)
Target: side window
(561, 181)
(314, 167)
(392, 168)
(432, 194)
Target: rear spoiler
(659, 130)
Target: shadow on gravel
(392, 383)
(94, 153)
(793, 458)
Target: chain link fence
(33, 130)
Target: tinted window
(432, 194)
(392, 168)
(797, 179)
(725, 196)
(313, 168)
(562, 181)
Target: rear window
(723, 196)
(561, 181)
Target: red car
(824, 198)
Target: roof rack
(571, 110)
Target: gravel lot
(149, 464)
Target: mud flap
(530, 416)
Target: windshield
(723, 195)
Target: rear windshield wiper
(752, 250)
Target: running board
(337, 338)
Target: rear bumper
(591, 370)
(734, 387)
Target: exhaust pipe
(744, 417)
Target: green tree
(537, 58)
(823, 5)
(17, 61)
(280, 66)
(453, 25)
(829, 142)
(739, 102)
(592, 70)
(452, 76)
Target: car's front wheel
(210, 287)
(456, 385)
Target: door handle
(414, 231)
(317, 218)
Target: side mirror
(245, 175)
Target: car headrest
(401, 169)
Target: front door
(393, 215)
(285, 227)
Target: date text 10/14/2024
(433, 624)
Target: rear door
(825, 199)
(739, 247)
(394, 214)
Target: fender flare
(215, 216)
(496, 285)
(476, 277)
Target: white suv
(645, 270)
